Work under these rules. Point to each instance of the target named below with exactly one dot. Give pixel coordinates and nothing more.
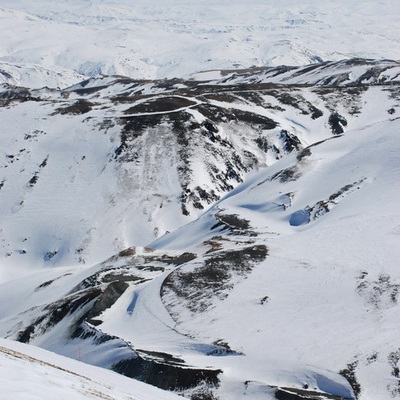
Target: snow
(321, 311)
(315, 315)
(151, 39)
(31, 373)
(325, 296)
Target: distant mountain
(56, 44)
(248, 220)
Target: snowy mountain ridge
(177, 145)
(59, 44)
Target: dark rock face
(164, 376)
(54, 313)
(110, 295)
(349, 374)
(337, 123)
(291, 142)
(15, 94)
(315, 211)
(80, 107)
(197, 287)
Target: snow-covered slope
(326, 293)
(29, 372)
(136, 159)
(353, 72)
(202, 196)
(284, 285)
(52, 43)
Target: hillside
(278, 190)
(199, 200)
(47, 376)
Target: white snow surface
(57, 43)
(84, 207)
(31, 373)
(324, 299)
(324, 280)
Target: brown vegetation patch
(160, 104)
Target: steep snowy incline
(136, 159)
(56, 43)
(326, 294)
(29, 372)
(285, 288)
